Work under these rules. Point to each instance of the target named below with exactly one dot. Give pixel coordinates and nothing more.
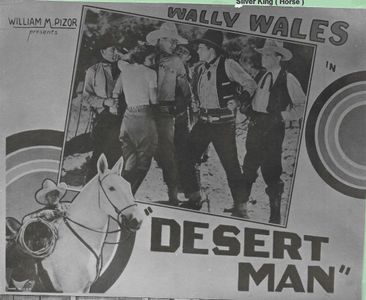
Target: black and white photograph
(206, 120)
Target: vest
(279, 98)
(259, 75)
(226, 89)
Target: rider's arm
(47, 214)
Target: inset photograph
(205, 120)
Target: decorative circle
(31, 157)
(348, 134)
(335, 135)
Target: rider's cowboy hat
(49, 186)
(271, 46)
(167, 30)
(213, 39)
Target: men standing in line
(216, 86)
(98, 87)
(172, 81)
(279, 97)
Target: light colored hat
(275, 46)
(49, 186)
(167, 30)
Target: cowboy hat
(212, 38)
(271, 45)
(48, 187)
(108, 40)
(167, 30)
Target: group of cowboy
(153, 84)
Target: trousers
(165, 124)
(223, 139)
(139, 141)
(105, 140)
(265, 136)
(181, 137)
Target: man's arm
(153, 88)
(298, 98)
(182, 79)
(89, 93)
(236, 73)
(118, 88)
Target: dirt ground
(214, 182)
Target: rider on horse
(32, 236)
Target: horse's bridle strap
(86, 245)
(118, 212)
(91, 229)
(80, 238)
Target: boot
(240, 211)
(274, 193)
(194, 201)
(173, 196)
(241, 198)
(275, 216)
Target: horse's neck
(85, 208)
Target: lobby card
(182, 151)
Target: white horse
(75, 262)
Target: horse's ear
(118, 166)
(102, 164)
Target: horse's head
(115, 196)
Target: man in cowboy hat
(279, 97)
(49, 195)
(173, 87)
(21, 268)
(216, 90)
(99, 83)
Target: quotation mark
(148, 210)
(341, 270)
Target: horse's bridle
(118, 212)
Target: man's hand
(123, 56)
(110, 102)
(47, 214)
(232, 105)
(195, 106)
